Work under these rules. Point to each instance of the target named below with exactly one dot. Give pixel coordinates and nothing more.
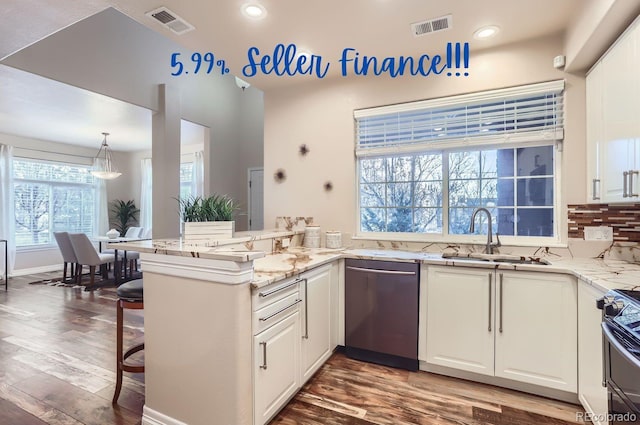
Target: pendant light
(103, 163)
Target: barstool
(130, 295)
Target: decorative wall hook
(280, 175)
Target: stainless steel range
(621, 337)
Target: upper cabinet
(613, 122)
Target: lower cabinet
(276, 367)
(460, 316)
(591, 392)
(294, 335)
(511, 324)
(316, 320)
(537, 329)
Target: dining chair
(68, 255)
(130, 256)
(87, 255)
(133, 232)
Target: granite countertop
(218, 249)
(604, 274)
(184, 249)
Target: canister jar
(333, 239)
(312, 237)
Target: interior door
(256, 198)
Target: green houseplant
(123, 215)
(209, 217)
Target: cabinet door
(460, 316)
(276, 354)
(594, 133)
(617, 158)
(316, 320)
(536, 329)
(591, 392)
(620, 128)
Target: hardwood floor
(57, 366)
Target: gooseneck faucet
(490, 244)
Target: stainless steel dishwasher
(381, 312)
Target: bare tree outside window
(51, 197)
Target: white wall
(320, 115)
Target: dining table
(118, 279)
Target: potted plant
(123, 215)
(205, 218)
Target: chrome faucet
(490, 244)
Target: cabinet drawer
(274, 312)
(275, 292)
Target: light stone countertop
(604, 274)
(239, 248)
(184, 249)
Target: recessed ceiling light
(486, 32)
(254, 11)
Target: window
(186, 180)
(424, 167)
(52, 197)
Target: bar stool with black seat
(130, 296)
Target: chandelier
(103, 167)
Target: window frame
(51, 185)
(517, 140)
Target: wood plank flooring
(57, 366)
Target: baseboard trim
(35, 270)
(153, 417)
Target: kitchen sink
(492, 258)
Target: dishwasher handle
(394, 272)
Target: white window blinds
(524, 113)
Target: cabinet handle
(594, 190)
(306, 309)
(624, 184)
(631, 174)
(490, 285)
(264, 319)
(501, 276)
(397, 272)
(276, 290)
(264, 356)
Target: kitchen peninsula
(208, 374)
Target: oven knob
(613, 308)
(601, 302)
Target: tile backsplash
(624, 219)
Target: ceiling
(32, 106)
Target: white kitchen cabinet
(613, 130)
(276, 354)
(316, 319)
(594, 134)
(536, 329)
(460, 316)
(510, 324)
(591, 392)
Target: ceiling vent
(432, 25)
(170, 20)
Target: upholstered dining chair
(133, 232)
(87, 255)
(68, 255)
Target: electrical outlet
(598, 233)
(285, 242)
